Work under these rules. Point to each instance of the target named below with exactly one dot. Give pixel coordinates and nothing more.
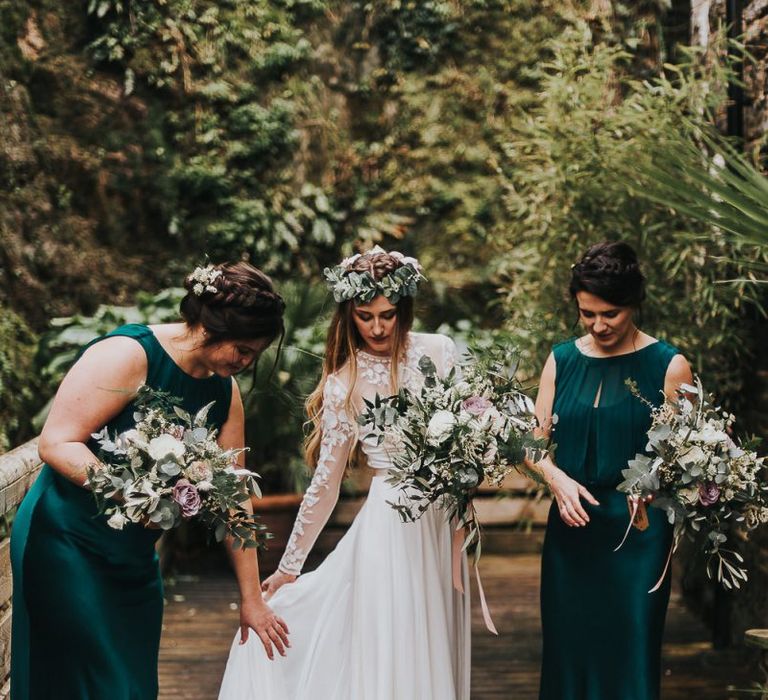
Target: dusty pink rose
(476, 405)
(709, 493)
(186, 495)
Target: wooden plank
(5, 644)
(6, 586)
(201, 619)
(18, 471)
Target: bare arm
(255, 614)
(98, 386)
(567, 491)
(678, 372)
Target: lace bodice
(340, 432)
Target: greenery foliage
(293, 132)
(697, 172)
(567, 164)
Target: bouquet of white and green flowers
(169, 468)
(707, 483)
(474, 425)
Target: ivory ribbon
(483, 603)
(635, 506)
(458, 543)
(666, 567)
(458, 540)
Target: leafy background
(494, 139)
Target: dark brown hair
(244, 305)
(343, 339)
(610, 270)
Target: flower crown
(349, 284)
(204, 277)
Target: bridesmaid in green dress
(602, 629)
(88, 599)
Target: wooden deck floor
(201, 618)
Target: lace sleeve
(450, 356)
(323, 492)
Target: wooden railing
(18, 470)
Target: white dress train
(379, 619)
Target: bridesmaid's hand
(272, 583)
(270, 628)
(568, 494)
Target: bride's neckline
(373, 358)
(384, 359)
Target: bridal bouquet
(704, 481)
(169, 468)
(474, 425)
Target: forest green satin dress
(88, 599)
(602, 630)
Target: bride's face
(376, 322)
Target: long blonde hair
(341, 344)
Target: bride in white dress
(380, 618)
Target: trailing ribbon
(635, 506)
(459, 535)
(672, 547)
(484, 604)
(663, 573)
(458, 540)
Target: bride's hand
(272, 583)
(270, 628)
(568, 494)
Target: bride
(380, 618)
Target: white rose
(165, 445)
(693, 456)
(709, 435)
(198, 471)
(440, 426)
(117, 521)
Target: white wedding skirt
(379, 619)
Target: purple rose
(709, 493)
(476, 405)
(186, 495)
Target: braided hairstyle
(610, 270)
(244, 305)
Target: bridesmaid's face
(233, 356)
(609, 325)
(376, 322)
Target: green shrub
(566, 164)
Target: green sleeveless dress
(602, 630)
(88, 599)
